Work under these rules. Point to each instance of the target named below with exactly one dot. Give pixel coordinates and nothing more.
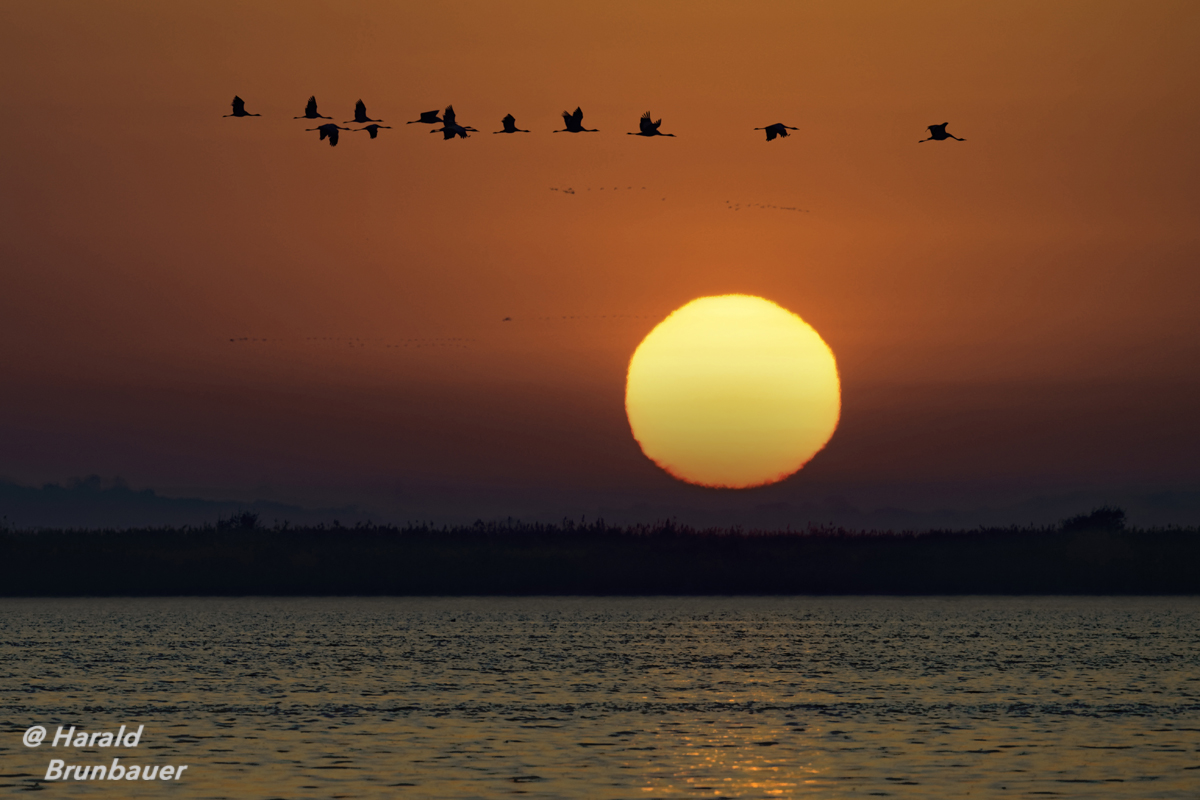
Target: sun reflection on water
(607, 699)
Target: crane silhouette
(428, 117)
(510, 125)
(452, 130)
(329, 131)
(574, 123)
(450, 127)
(310, 111)
(239, 109)
(938, 133)
(373, 129)
(649, 128)
(778, 129)
(360, 114)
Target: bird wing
(310, 110)
(772, 132)
(360, 109)
(645, 124)
(509, 121)
(333, 135)
(577, 115)
(239, 105)
(448, 115)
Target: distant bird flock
(572, 121)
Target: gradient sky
(1013, 316)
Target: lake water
(611, 698)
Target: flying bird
(428, 117)
(452, 130)
(649, 128)
(310, 111)
(360, 114)
(574, 123)
(329, 131)
(938, 133)
(510, 125)
(450, 127)
(239, 109)
(373, 129)
(778, 129)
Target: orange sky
(1016, 310)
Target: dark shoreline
(594, 559)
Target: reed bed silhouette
(238, 556)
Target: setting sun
(732, 392)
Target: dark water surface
(611, 698)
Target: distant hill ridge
(95, 502)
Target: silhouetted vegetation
(241, 521)
(1105, 518)
(1090, 554)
